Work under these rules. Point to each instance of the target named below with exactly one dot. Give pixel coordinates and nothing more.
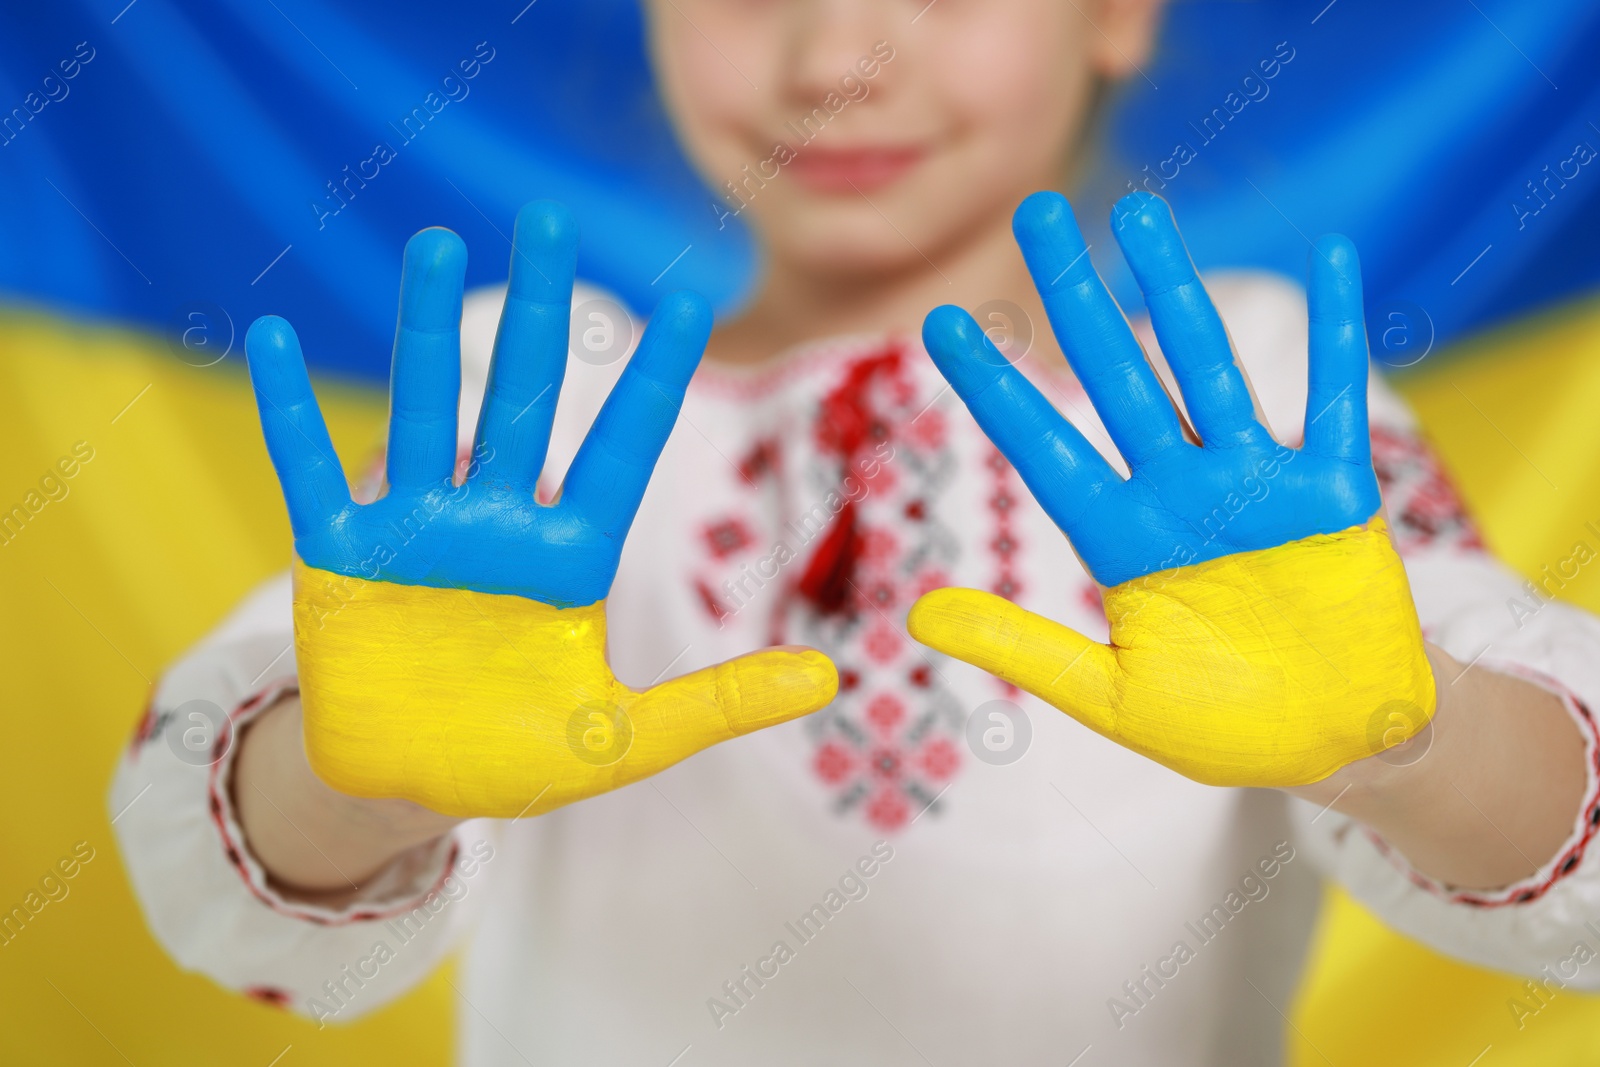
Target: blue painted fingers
(1186, 322)
(425, 377)
(1336, 407)
(488, 533)
(1062, 468)
(297, 439)
(609, 474)
(1237, 489)
(530, 348)
(1092, 332)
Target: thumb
(679, 718)
(1051, 661)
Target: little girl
(427, 749)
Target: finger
(1060, 467)
(308, 469)
(1192, 335)
(1336, 402)
(613, 465)
(530, 348)
(679, 718)
(1093, 332)
(425, 382)
(1055, 663)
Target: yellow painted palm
(451, 636)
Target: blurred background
(193, 172)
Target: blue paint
(1239, 489)
(216, 163)
(487, 534)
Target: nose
(826, 42)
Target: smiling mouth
(852, 170)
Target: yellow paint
(1269, 668)
(1512, 413)
(478, 704)
(173, 521)
(179, 514)
(1372, 997)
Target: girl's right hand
(451, 638)
(1263, 632)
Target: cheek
(1023, 99)
(713, 103)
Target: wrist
(1487, 794)
(310, 837)
(1403, 772)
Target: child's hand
(1262, 629)
(451, 638)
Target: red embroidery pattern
(727, 537)
(888, 744)
(1424, 507)
(150, 724)
(1004, 545)
(740, 562)
(266, 994)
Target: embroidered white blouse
(935, 869)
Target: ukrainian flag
(170, 169)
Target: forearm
(315, 842)
(1485, 800)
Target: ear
(1126, 35)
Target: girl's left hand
(1262, 629)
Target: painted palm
(1262, 630)
(451, 636)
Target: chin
(846, 243)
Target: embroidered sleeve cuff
(413, 878)
(1571, 853)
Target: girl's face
(863, 136)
